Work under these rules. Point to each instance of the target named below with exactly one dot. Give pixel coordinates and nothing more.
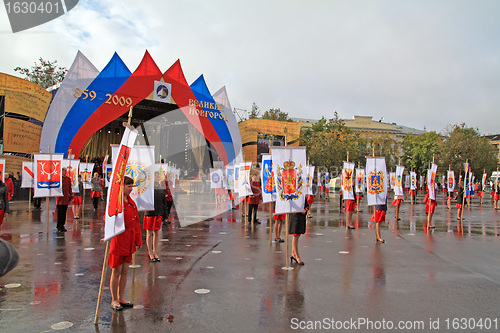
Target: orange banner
(24, 97)
(21, 136)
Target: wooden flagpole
(106, 256)
(271, 223)
(47, 208)
(29, 197)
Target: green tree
(254, 112)
(386, 146)
(463, 143)
(276, 114)
(419, 151)
(45, 74)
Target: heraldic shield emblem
(375, 182)
(49, 174)
(289, 181)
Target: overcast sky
(416, 63)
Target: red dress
(124, 245)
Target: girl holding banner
(122, 247)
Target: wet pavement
(221, 275)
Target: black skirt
(297, 224)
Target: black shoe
(157, 259)
(301, 263)
(256, 222)
(292, 259)
(152, 260)
(380, 241)
(126, 305)
(281, 240)
(116, 307)
(349, 227)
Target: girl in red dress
(122, 247)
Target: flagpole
(29, 197)
(463, 199)
(47, 208)
(83, 187)
(106, 256)
(287, 217)
(270, 224)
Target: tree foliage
(464, 143)
(254, 112)
(45, 74)
(419, 151)
(276, 114)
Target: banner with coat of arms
(229, 177)
(86, 173)
(348, 181)
(244, 179)
(407, 181)
(27, 180)
(360, 180)
(309, 179)
(483, 181)
(376, 178)
(289, 171)
(215, 178)
(320, 187)
(114, 222)
(267, 176)
(431, 181)
(72, 172)
(392, 177)
(398, 186)
(140, 168)
(413, 180)
(450, 184)
(108, 171)
(48, 177)
(237, 178)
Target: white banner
(407, 181)
(215, 178)
(320, 188)
(376, 176)
(360, 180)
(48, 178)
(114, 219)
(413, 180)
(237, 178)
(348, 181)
(392, 176)
(140, 168)
(267, 176)
(398, 186)
(450, 184)
(289, 171)
(27, 175)
(107, 174)
(72, 172)
(230, 177)
(86, 173)
(309, 179)
(244, 179)
(431, 180)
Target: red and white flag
(450, 184)
(113, 218)
(431, 181)
(2, 169)
(28, 178)
(48, 178)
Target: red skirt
(413, 192)
(479, 193)
(431, 206)
(152, 222)
(396, 202)
(76, 201)
(95, 194)
(115, 261)
(496, 196)
(349, 205)
(279, 216)
(459, 206)
(310, 199)
(380, 216)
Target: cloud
(416, 63)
